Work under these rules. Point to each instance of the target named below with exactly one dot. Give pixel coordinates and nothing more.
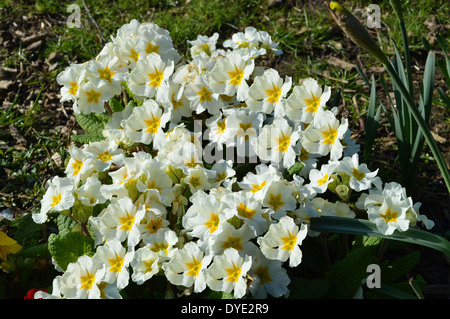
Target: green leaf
(303, 288)
(87, 138)
(400, 267)
(39, 251)
(65, 224)
(92, 123)
(115, 104)
(28, 232)
(66, 248)
(344, 225)
(347, 275)
(219, 295)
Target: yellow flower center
(106, 74)
(93, 96)
(155, 78)
(134, 55)
(205, 95)
(329, 136)
(151, 48)
(154, 225)
(389, 216)
(289, 242)
(263, 274)
(105, 157)
(323, 180)
(233, 273)
(73, 88)
(245, 212)
(233, 242)
(176, 104)
(195, 181)
(77, 165)
(126, 222)
(87, 281)
(258, 187)
(275, 201)
(116, 264)
(56, 200)
(160, 246)
(273, 94)
(212, 223)
(357, 174)
(312, 104)
(283, 142)
(194, 267)
(236, 76)
(221, 126)
(152, 125)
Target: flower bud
(356, 31)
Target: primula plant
(214, 177)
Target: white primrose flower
(257, 184)
(216, 130)
(145, 264)
(92, 98)
(114, 132)
(224, 171)
(58, 197)
(326, 139)
(83, 279)
(242, 128)
(116, 259)
(150, 77)
(267, 93)
(121, 220)
(267, 277)
(177, 103)
(89, 194)
(154, 220)
(268, 44)
(163, 243)
(154, 178)
(71, 79)
(276, 143)
(103, 154)
(198, 178)
(244, 206)
(319, 179)
(203, 43)
(205, 216)
(109, 72)
(246, 43)
(307, 101)
(202, 97)
(230, 74)
(153, 39)
(390, 216)
(146, 122)
(361, 178)
(187, 267)
(279, 198)
(228, 273)
(230, 237)
(80, 165)
(282, 241)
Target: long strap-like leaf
(342, 225)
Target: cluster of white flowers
(173, 208)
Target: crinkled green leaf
(346, 276)
(87, 138)
(92, 123)
(67, 247)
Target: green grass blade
(373, 119)
(342, 225)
